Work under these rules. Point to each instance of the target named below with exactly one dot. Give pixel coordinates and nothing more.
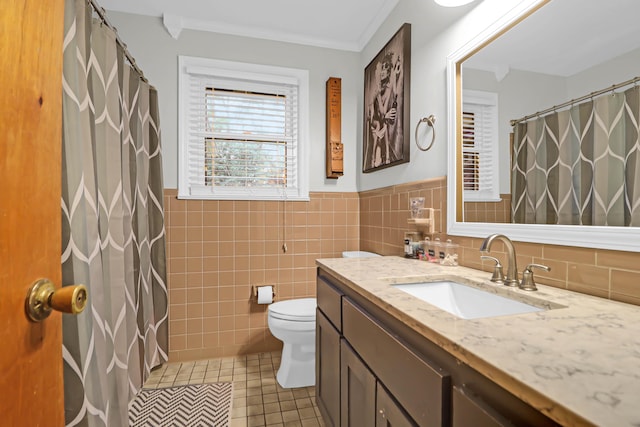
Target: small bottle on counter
(434, 250)
(416, 249)
(412, 244)
(425, 248)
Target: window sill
(482, 200)
(253, 197)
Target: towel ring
(430, 121)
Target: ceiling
(337, 24)
(582, 33)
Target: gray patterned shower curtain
(580, 166)
(112, 224)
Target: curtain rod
(574, 101)
(103, 17)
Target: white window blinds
(241, 135)
(479, 146)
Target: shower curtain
(580, 166)
(112, 224)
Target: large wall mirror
(529, 100)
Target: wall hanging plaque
(334, 148)
(386, 104)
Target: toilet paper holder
(254, 291)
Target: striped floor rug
(198, 405)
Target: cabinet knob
(382, 413)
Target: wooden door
(30, 180)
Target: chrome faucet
(512, 267)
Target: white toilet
(294, 323)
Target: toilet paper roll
(265, 294)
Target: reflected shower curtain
(112, 225)
(580, 166)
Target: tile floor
(258, 400)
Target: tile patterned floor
(258, 400)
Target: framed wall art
(386, 134)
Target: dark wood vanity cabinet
(373, 370)
(356, 385)
(418, 384)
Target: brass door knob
(44, 297)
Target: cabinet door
(358, 390)
(388, 412)
(327, 370)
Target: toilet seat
(297, 310)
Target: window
(243, 131)
(480, 146)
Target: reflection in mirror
(541, 93)
(575, 161)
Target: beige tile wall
(384, 213)
(608, 274)
(217, 250)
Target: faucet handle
(527, 283)
(498, 275)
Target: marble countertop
(578, 364)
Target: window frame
(189, 66)
(485, 100)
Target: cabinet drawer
(470, 409)
(422, 387)
(329, 302)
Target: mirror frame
(616, 238)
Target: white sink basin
(465, 301)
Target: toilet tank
(358, 254)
